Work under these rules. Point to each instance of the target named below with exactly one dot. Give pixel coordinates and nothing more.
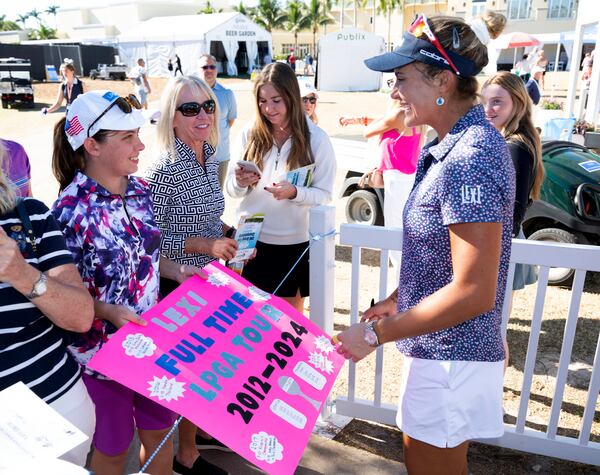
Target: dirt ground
(34, 132)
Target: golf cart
(15, 82)
(109, 71)
(568, 210)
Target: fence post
(322, 273)
(322, 267)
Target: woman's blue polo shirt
(468, 177)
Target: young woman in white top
(281, 139)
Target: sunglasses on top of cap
(312, 99)
(419, 27)
(126, 104)
(192, 109)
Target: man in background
(228, 110)
(140, 82)
(177, 65)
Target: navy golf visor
(414, 49)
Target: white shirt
(137, 74)
(286, 221)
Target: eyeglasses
(420, 26)
(209, 66)
(391, 83)
(312, 100)
(192, 109)
(126, 104)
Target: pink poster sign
(241, 364)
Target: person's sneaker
(201, 467)
(210, 444)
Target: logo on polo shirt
(471, 195)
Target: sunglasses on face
(192, 109)
(312, 100)
(421, 26)
(126, 104)
(212, 67)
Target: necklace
(280, 136)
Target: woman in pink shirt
(399, 151)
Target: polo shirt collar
(184, 151)
(474, 116)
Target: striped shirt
(31, 346)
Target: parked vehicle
(109, 71)
(364, 205)
(15, 82)
(568, 210)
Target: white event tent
(232, 38)
(341, 61)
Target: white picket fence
(546, 255)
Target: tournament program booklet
(301, 176)
(246, 236)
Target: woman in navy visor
(445, 316)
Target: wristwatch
(39, 287)
(230, 233)
(371, 336)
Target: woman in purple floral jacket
(109, 226)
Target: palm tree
(269, 15)
(356, 5)
(37, 15)
(46, 33)
(208, 9)
(22, 19)
(318, 17)
(374, 16)
(7, 25)
(53, 10)
(388, 6)
(327, 5)
(342, 12)
(243, 9)
(297, 20)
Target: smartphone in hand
(249, 167)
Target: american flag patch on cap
(73, 126)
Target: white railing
(545, 255)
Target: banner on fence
(241, 364)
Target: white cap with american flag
(82, 117)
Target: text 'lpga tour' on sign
(239, 363)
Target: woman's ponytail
(65, 161)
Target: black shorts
(273, 262)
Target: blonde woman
(188, 204)
(282, 138)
